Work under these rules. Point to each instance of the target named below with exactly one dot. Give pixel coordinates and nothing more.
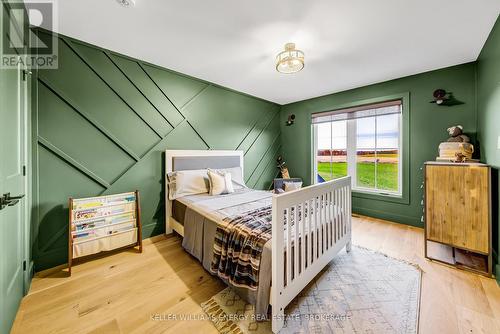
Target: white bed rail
(321, 227)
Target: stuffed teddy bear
(456, 134)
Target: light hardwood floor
(122, 292)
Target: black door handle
(7, 200)
(7, 197)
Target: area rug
(358, 292)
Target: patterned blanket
(239, 242)
(240, 239)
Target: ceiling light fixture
(290, 60)
(126, 3)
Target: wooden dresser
(457, 215)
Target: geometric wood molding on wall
(102, 122)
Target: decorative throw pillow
(187, 182)
(220, 182)
(290, 186)
(236, 176)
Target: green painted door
(12, 124)
(12, 157)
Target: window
(364, 142)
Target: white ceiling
(347, 43)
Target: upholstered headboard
(203, 162)
(176, 160)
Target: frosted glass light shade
(290, 60)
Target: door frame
(28, 184)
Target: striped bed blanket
(239, 242)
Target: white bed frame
(330, 226)
(170, 223)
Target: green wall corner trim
(488, 107)
(276, 140)
(102, 122)
(258, 128)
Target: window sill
(394, 198)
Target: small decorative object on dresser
(457, 135)
(103, 223)
(457, 148)
(457, 211)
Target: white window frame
(351, 148)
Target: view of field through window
(377, 153)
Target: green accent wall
(427, 128)
(488, 97)
(102, 121)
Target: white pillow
(290, 186)
(220, 182)
(236, 176)
(187, 182)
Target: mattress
(219, 207)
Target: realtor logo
(22, 44)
